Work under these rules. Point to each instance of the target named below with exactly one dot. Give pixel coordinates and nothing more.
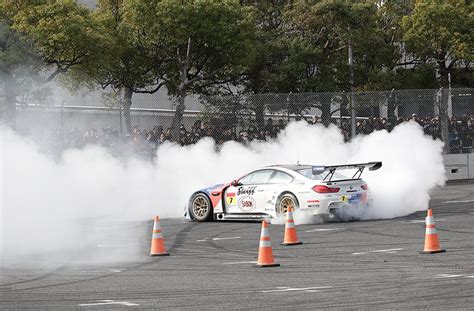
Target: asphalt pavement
(356, 265)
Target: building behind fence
(232, 116)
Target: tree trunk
(259, 114)
(326, 113)
(391, 111)
(178, 115)
(127, 103)
(182, 90)
(443, 106)
(344, 105)
(10, 111)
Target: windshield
(308, 172)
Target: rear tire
(200, 207)
(285, 201)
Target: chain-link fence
(252, 117)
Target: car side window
(258, 177)
(281, 178)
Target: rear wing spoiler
(372, 166)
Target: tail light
(365, 187)
(324, 189)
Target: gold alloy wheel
(285, 203)
(200, 207)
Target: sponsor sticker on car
(246, 190)
(231, 200)
(246, 203)
(354, 198)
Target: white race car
(320, 191)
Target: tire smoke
(56, 206)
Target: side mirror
(235, 183)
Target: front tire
(200, 209)
(285, 201)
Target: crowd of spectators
(140, 141)
(460, 129)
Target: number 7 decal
(231, 198)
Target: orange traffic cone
(431, 237)
(290, 230)
(157, 241)
(265, 253)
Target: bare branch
(145, 91)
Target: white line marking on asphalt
(388, 251)
(322, 229)
(460, 201)
(448, 276)
(228, 238)
(201, 240)
(109, 302)
(189, 250)
(416, 221)
(238, 262)
(290, 289)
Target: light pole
(351, 82)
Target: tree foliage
(440, 32)
(120, 66)
(19, 65)
(209, 47)
(197, 46)
(62, 32)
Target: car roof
(293, 167)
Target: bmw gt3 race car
(268, 192)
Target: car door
(250, 195)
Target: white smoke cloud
(51, 206)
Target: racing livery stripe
(214, 193)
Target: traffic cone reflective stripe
(291, 238)
(157, 241)
(265, 253)
(431, 236)
(157, 228)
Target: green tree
(121, 64)
(326, 29)
(62, 32)
(197, 46)
(18, 64)
(441, 32)
(270, 71)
